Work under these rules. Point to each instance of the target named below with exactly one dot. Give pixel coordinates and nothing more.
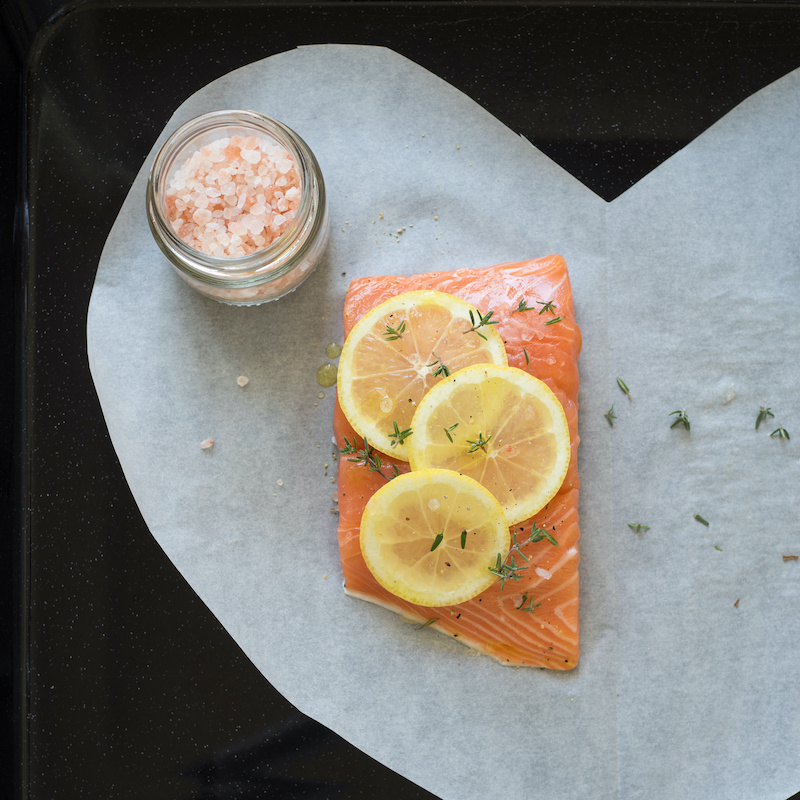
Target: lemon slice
(500, 426)
(430, 537)
(397, 351)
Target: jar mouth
(270, 261)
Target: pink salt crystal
(228, 191)
(206, 443)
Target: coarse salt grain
(224, 200)
(242, 380)
(206, 444)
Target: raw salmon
(533, 622)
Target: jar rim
(271, 261)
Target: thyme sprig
(638, 527)
(548, 305)
(483, 319)
(780, 432)
(681, 418)
(449, 430)
(530, 607)
(442, 369)
(763, 413)
(507, 568)
(366, 456)
(479, 443)
(523, 306)
(398, 436)
(392, 334)
(610, 415)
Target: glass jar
(239, 264)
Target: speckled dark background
(117, 682)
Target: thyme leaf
(392, 334)
(780, 432)
(638, 527)
(463, 539)
(527, 360)
(610, 415)
(680, 419)
(554, 320)
(448, 431)
(622, 386)
(701, 520)
(762, 415)
(437, 541)
(427, 623)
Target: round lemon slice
(500, 426)
(431, 537)
(400, 349)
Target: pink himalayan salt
(234, 196)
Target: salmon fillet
(493, 622)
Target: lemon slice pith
(400, 349)
(413, 529)
(500, 426)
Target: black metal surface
(126, 686)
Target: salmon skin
(532, 622)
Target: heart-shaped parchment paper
(687, 287)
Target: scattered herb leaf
(610, 416)
(391, 334)
(780, 432)
(449, 430)
(622, 386)
(763, 413)
(736, 604)
(680, 419)
(427, 623)
(637, 527)
(437, 541)
(463, 539)
(554, 320)
(537, 534)
(717, 547)
(790, 558)
(701, 520)
(527, 360)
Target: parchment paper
(687, 287)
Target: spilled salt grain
(206, 444)
(242, 380)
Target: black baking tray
(117, 680)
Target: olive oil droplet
(333, 350)
(326, 375)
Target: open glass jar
(236, 202)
